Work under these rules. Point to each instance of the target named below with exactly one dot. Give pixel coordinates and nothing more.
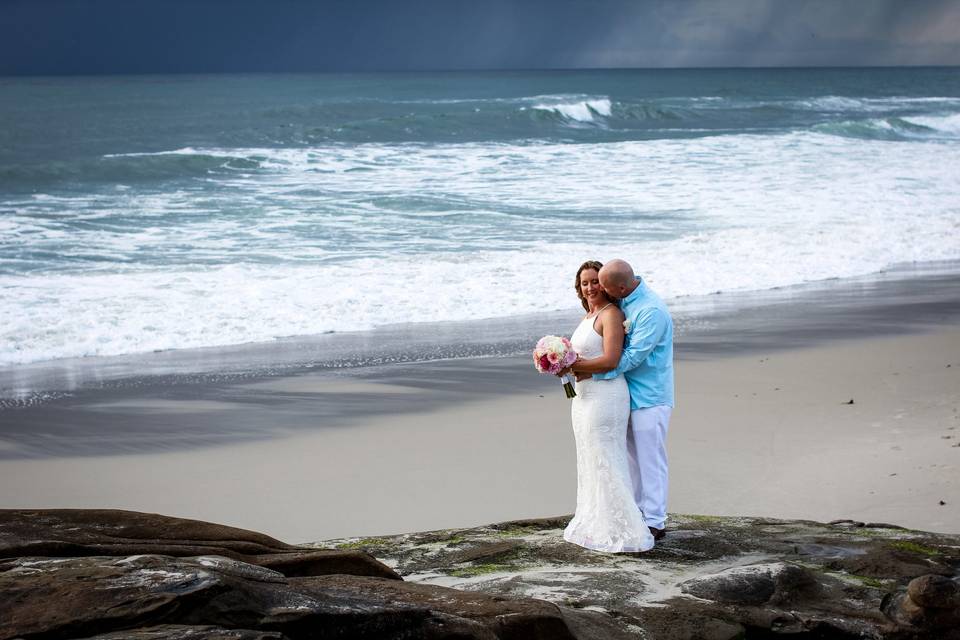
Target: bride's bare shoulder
(613, 312)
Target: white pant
(646, 445)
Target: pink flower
(553, 354)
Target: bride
(607, 518)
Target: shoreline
(109, 412)
(762, 427)
(901, 299)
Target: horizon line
(53, 74)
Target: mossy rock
(365, 543)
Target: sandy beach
(457, 443)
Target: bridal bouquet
(553, 354)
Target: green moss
(479, 570)
(515, 532)
(363, 543)
(913, 547)
(454, 540)
(875, 532)
(868, 581)
(702, 519)
(873, 582)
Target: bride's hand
(569, 370)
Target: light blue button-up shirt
(647, 359)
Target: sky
(201, 36)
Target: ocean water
(145, 213)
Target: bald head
(617, 278)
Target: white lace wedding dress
(607, 518)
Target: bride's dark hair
(589, 264)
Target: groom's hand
(582, 376)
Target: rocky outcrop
(110, 532)
(931, 602)
(710, 577)
(115, 575)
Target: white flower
(627, 325)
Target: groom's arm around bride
(647, 357)
(644, 330)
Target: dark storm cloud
(130, 36)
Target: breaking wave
(583, 111)
(905, 128)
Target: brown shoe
(657, 533)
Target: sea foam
(345, 238)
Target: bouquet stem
(568, 387)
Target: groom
(647, 365)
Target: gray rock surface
(111, 532)
(182, 632)
(711, 577)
